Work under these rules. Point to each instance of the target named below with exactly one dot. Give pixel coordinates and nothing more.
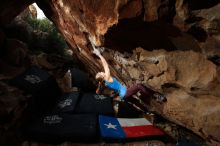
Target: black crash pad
(43, 88)
(54, 128)
(95, 103)
(67, 102)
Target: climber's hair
(100, 87)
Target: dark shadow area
(199, 33)
(201, 4)
(193, 19)
(215, 59)
(170, 85)
(167, 11)
(129, 34)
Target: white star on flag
(109, 125)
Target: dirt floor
(141, 143)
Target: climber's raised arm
(120, 89)
(107, 75)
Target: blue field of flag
(110, 127)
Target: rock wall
(187, 78)
(13, 104)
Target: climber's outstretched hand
(96, 52)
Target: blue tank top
(117, 87)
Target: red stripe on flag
(140, 131)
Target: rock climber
(123, 91)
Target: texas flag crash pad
(125, 128)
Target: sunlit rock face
(85, 22)
(163, 44)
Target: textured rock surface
(151, 8)
(131, 9)
(202, 23)
(183, 69)
(186, 78)
(12, 106)
(182, 13)
(188, 15)
(202, 112)
(13, 59)
(15, 52)
(159, 10)
(186, 42)
(210, 19)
